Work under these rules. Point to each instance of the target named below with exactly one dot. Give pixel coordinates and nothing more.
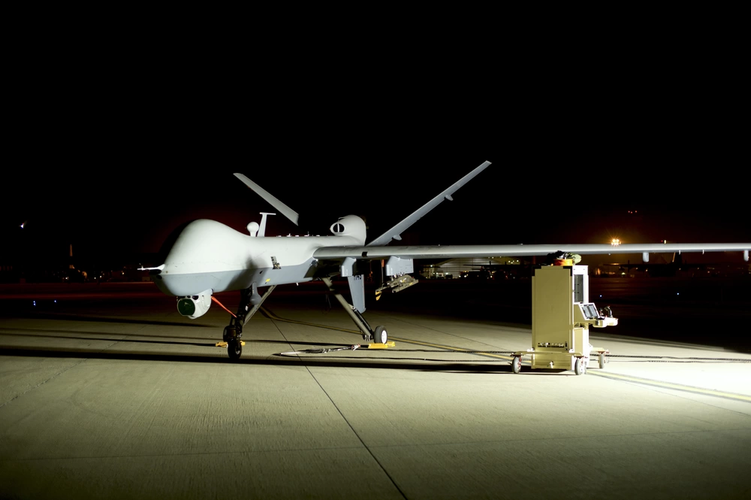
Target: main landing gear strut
(378, 336)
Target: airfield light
(615, 242)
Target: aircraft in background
(209, 257)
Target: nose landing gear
(232, 335)
(232, 338)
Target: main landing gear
(377, 336)
(250, 303)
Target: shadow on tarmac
(501, 367)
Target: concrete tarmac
(115, 395)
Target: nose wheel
(250, 303)
(234, 349)
(233, 338)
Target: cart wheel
(602, 360)
(580, 367)
(516, 364)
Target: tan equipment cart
(561, 317)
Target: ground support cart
(561, 318)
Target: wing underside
(466, 251)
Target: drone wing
(466, 251)
(395, 232)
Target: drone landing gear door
(357, 292)
(356, 283)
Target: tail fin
(284, 209)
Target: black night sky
(111, 155)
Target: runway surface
(108, 392)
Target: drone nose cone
(206, 255)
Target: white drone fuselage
(210, 256)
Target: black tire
(234, 349)
(380, 336)
(228, 333)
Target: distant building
(475, 268)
